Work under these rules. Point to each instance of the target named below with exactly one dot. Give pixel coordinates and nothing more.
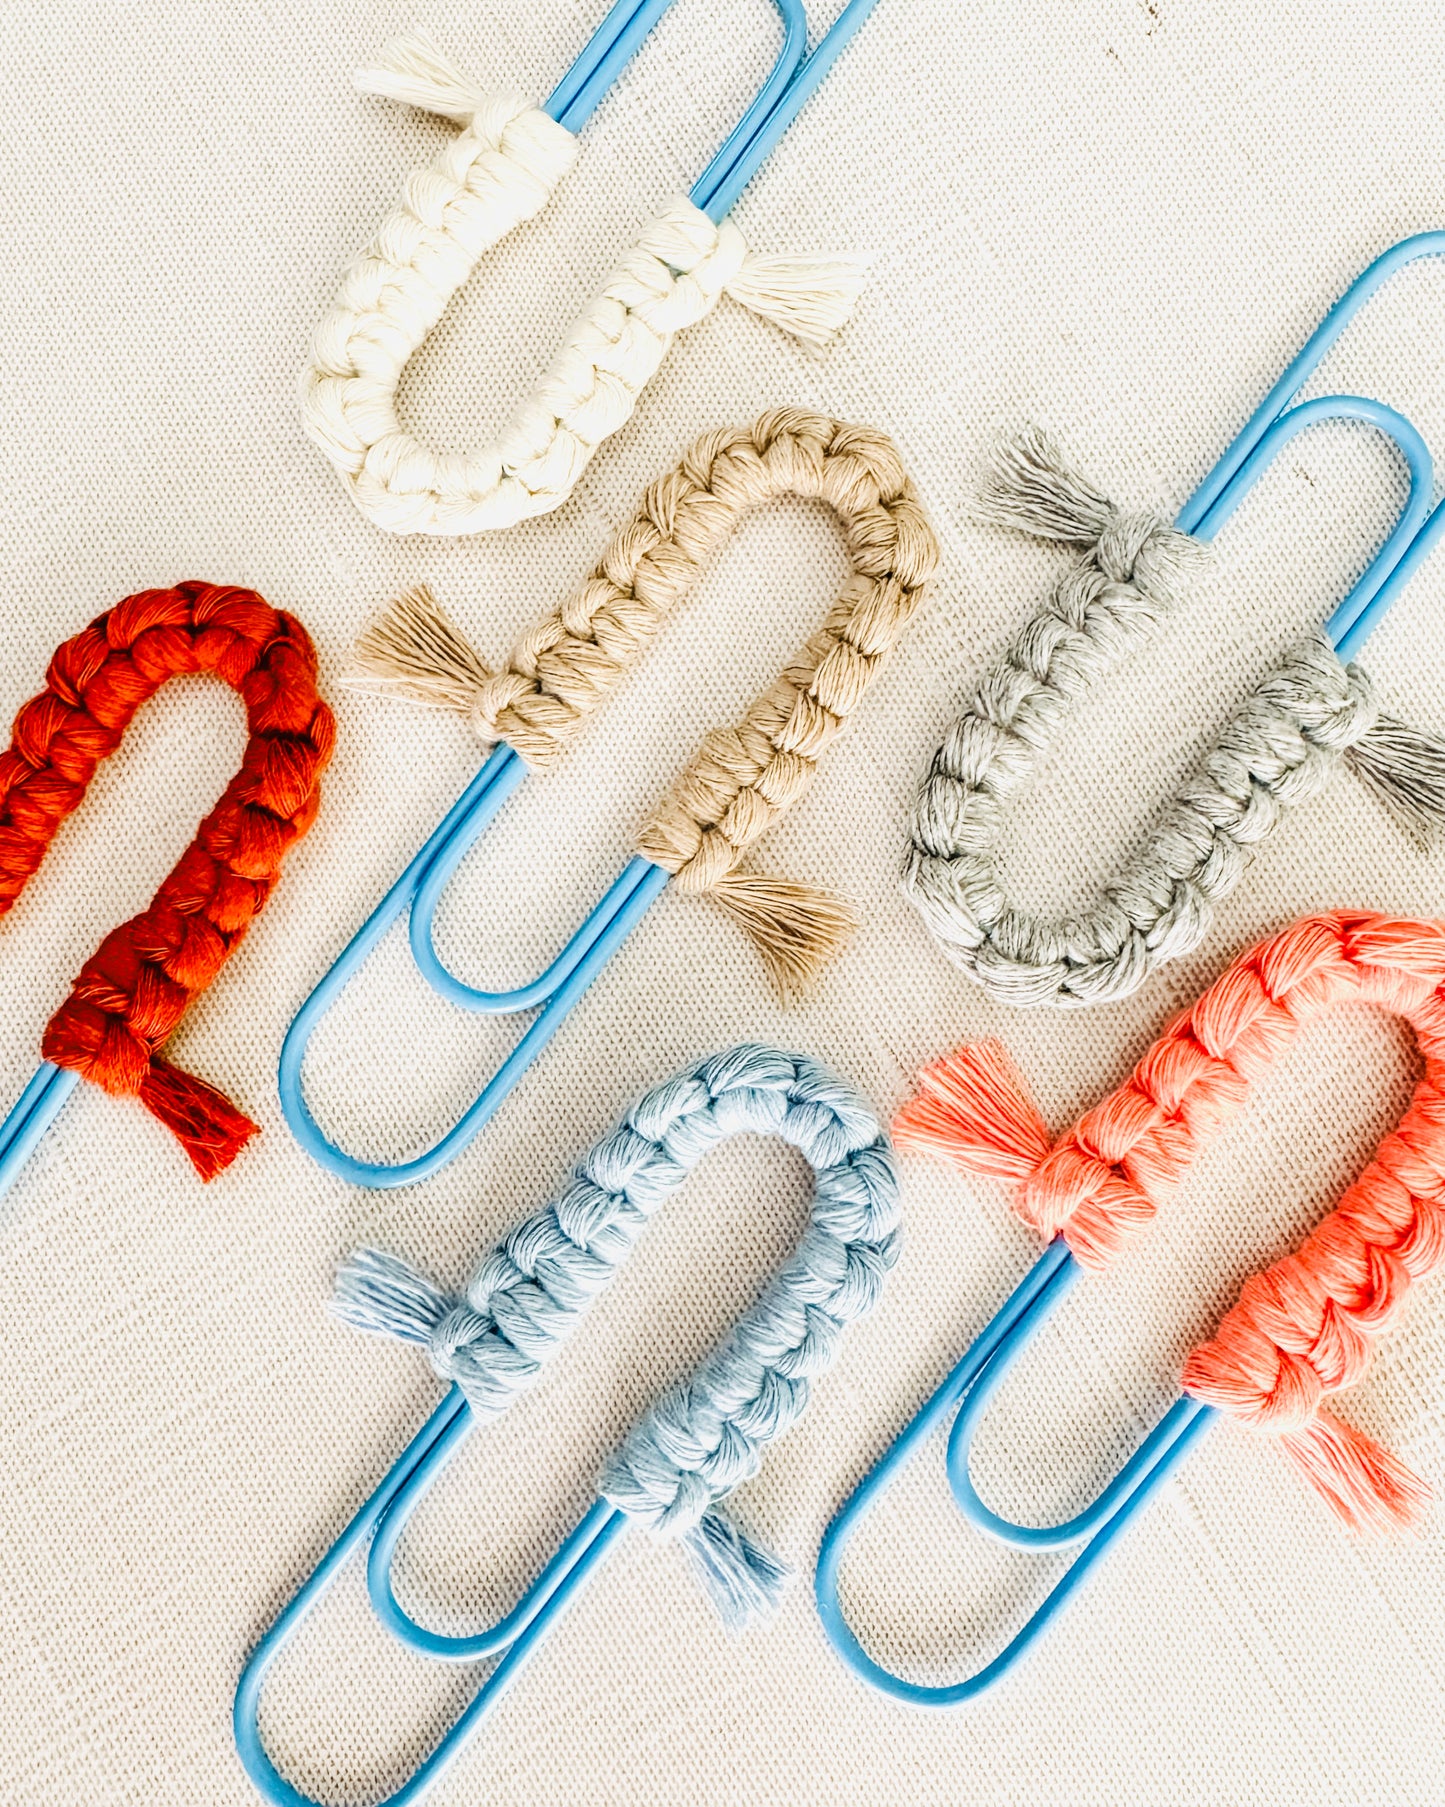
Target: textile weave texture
(1117, 221)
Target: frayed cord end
(1365, 1485)
(1405, 768)
(204, 1121)
(797, 930)
(414, 72)
(973, 1108)
(810, 298)
(384, 1296)
(413, 650)
(743, 1581)
(1031, 487)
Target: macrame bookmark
(699, 1442)
(132, 993)
(743, 778)
(531, 1293)
(1305, 1327)
(500, 170)
(1282, 746)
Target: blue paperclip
(420, 886)
(794, 78)
(969, 1388)
(621, 34)
(34, 1111)
(517, 1634)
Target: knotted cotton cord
(500, 170)
(1306, 1326)
(132, 992)
(742, 778)
(706, 1436)
(1281, 746)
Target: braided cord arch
(499, 171)
(572, 660)
(132, 992)
(742, 778)
(1280, 747)
(531, 1292)
(1305, 1327)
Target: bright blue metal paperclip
(793, 80)
(973, 1383)
(515, 1636)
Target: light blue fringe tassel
(743, 1581)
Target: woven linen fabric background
(1115, 218)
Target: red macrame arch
(133, 991)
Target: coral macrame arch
(1305, 1327)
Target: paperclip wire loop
(718, 188)
(952, 1694)
(701, 1440)
(603, 932)
(1012, 1339)
(246, 1711)
(499, 172)
(1281, 745)
(1145, 1471)
(1311, 355)
(509, 1627)
(637, 874)
(1396, 428)
(1302, 1330)
(131, 994)
(739, 783)
(553, 994)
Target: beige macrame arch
(742, 778)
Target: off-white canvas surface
(1115, 218)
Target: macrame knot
(703, 1439)
(685, 263)
(491, 700)
(683, 266)
(1122, 551)
(1032, 488)
(1333, 703)
(453, 1340)
(745, 777)
(1304, 1328)
(1279, 748)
